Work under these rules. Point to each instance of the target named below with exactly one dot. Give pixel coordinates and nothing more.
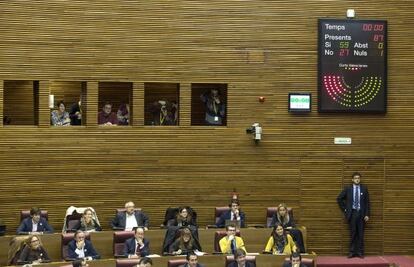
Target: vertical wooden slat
(43, 104)
(92, 103)
(138, 103)
(185, 104)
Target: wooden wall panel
(257, 48)
(18, 103)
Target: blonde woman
(33, 252)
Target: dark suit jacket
(346, 197)
(89, 250)
(227, 216)
(119, 221)
(130, 247)
(248, 264)
(186, 265)
(27, 224)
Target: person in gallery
(130, 218)
(354, 203)
(75, 113)
(215, 108)
(137, 246)
(33, 252)
(34, 224)
(234, 214)
(106, 117)
(283, 217)
(280, 242)
(81, 248)
(161, 113)
(60, 117)
(123, 114)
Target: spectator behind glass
(295, 261)
(280, 242)
(106, 117)
(34, 224)
(33, 252)
(75, 114)
(123, 114)
(81, 248)
(60, 117)
(184, 244)
(87, 223)
(215, 108)
(6, 120)
(161, 113)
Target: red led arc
(336, 90)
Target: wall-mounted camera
(256, 130)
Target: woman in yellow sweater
(280, 242)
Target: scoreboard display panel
(352, 66)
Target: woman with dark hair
(280, 242)
(184, 244)
(87, 222)
(282, 217)
(60, 117)
(183, 218)
(33, 251)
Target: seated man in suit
(130, 219)
(138, 246)
(192, 260)
(144, 262)
(295, 261)
(34, 224)
(230, 243)
(234, 214)
(240, 260)
(80, 248)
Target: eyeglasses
(34, 241)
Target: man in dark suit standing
(234, 214)
(130, 219)
(138, 246)
(34, 224)
(354, 202)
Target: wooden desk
(255, 241)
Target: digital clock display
(352, 66)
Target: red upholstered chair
(176, 262)
(230, 259)
(126, 262)
(71, 221)
(306, 261)
(270, 211)
(66, 238)
(219, 211)
(26, 213)
(219, 235)
(118, 242)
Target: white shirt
(34, 226)
(80, 252)
(234, 218)
(131, 222)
